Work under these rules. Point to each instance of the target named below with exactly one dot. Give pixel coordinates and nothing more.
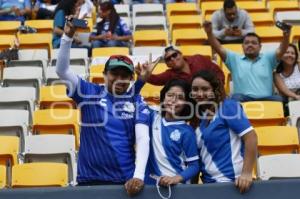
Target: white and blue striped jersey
(107, 136)
(220, 144)
(173, 149)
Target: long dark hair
(217, 86)
(280, 66)
(186, 89)
(113, 17)
(68, 6)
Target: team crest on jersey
(175, 135)
(128, 107)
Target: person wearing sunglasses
(114, 139)
(180, 67)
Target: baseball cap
(116, 61)
(170, 48)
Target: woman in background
(112, 30)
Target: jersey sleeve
(234, 115)
(189, 145)
(142, 111)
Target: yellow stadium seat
(188, 37)
(181, 9)
(150, 38)
(36, 41)
(57, 121)
(40, 175)
(262, 18)
(234, 47)
(6, 41)
(108, 51)
(210, 7)
(227, 79)
(96, 74)
(89, 26)
(184, 21)
(269, 33)
(197, 49)
(264, 113)
(9, 27)
(9, 149)
(252, 6)
(2, 176)
(277, 140)
(295, 35)
(42, 26)
(151, 93)
(275, 6)
(55, 96)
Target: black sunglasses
(174, 55)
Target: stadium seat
(122, 10)
(151, 93)
(264, 113)
(262, 18)
(96, 74)
(294, 110)
(14, 123)
(267, 47)
(188, 37)
(9, 27)
(197, 49)
(295, 35)
(181, 9)
(160, 68)
(57, 121)
(147, 9)
(20, 98)
(23, 77)
(234, 47)
(52, 148)
(78, 56)
(149, 23)
(36, 40)
(252, 6)
(6, 41)
(150, 38)
(39, 175)
(89, 27)
(52, 77)
(42, 26)
(108, 51)
(184, 22)
(2, 176)
(275, 6)
(277, 140)
(281, 166)
(210, 7)
(147, 50)
(55, 96)
(9, 150)
(292, 17)
(269, 33)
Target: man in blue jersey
(14, 10)
(114, 120)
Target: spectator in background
(63, 9)
(14, 10)
(40, 10)
(287, 76)
(252, 73)
(173, 152)
(231, 24)
(112, 30)
(227, 142)
(180, 67)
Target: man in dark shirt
(180, 67)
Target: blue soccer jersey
(220, 143)
(173, 147)
(107, 136)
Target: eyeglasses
(174, 55)
(121, 58)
